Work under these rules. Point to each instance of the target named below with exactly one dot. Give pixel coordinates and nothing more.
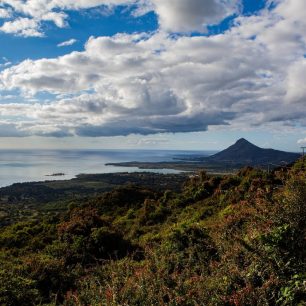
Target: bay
(17, 166)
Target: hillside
(246, 153)
(218, 240)
(21, 201)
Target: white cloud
(5, 13)
(6, 64)
(301, 141)
(192, 15)
(296, 87)
(22, 27)
(31, 13)
(69, 42)
(59, 19)
(251, 75)
(174, 16)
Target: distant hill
(244, 152)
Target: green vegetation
(187, 165)
(231, 240)
(31, 201)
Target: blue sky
(91, 22)
(82, 25)
(194, 74)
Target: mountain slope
(244, 152)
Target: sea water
(17, 166)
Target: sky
(152, 74)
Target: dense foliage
(232, 240)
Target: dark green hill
(244, 152)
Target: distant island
(56, 174)
(242, 153)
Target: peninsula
(242, 153)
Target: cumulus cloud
(26, 17)
(22, 27)
(296, 87)
(301, 141)
(66, 43)
(5, 13)
(192, 15)
(251, 75)
(174, 16)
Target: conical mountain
(244, 152)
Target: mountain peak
(243, 144)
(242, 141)
(243, 151)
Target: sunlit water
(18, 166)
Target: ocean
(18, 166)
